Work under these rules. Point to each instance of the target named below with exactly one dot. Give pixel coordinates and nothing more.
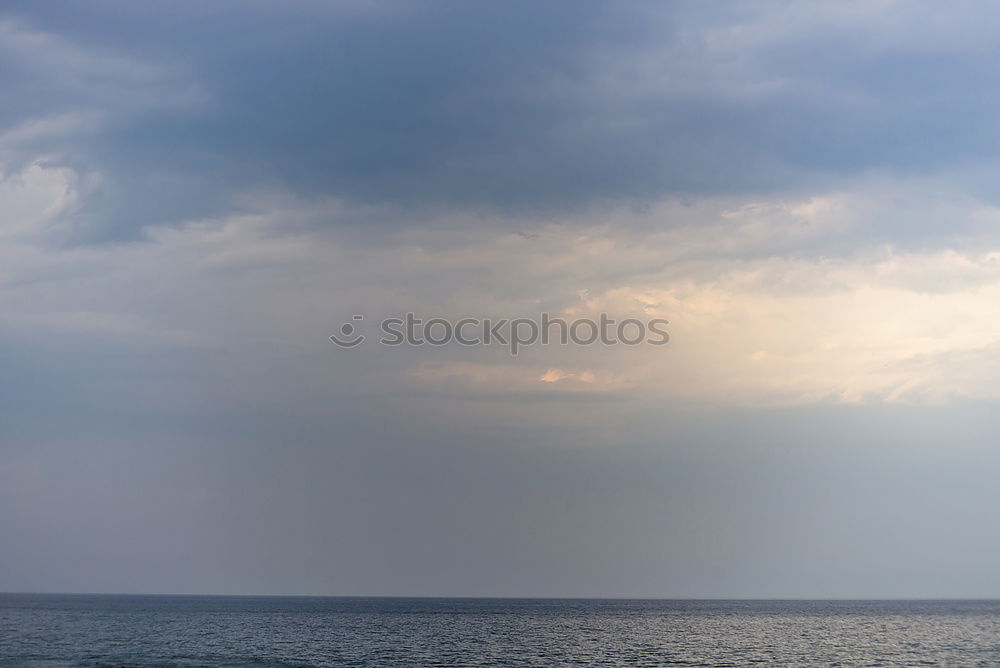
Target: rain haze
(195, 196)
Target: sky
(195, 196)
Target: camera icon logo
(348, 337)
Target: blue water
(167, 631)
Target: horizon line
(507, 597)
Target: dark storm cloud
(512, 106)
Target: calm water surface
(189, 631)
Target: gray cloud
(517, 107)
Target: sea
(55, 630)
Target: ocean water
(188, 631)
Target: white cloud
(750, 323)
(37, 200)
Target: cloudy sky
(194, 196)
